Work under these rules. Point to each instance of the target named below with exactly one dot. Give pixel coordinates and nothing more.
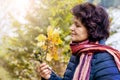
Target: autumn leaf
(53, 35)
(50, 44)
(41, 38)
(44, 47)
(55, 56)
(49, 57)
(50, 32)
(54, 52)
(40, 44)
(56, 38)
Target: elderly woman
(91, 59)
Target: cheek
(83, 34)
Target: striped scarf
(86, 51)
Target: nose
(72, 27)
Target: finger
(44, 67)
(43, 64)
(47, 76)
(45, 73)
(40, 66)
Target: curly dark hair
(94, 18)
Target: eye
(77, 25)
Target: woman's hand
(44, 70)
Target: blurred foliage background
(34, 31)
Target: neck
(80, 42)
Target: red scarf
(86, 51)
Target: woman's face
(78, 31)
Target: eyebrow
(76, 22)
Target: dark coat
(103, 67)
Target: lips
(73, 34)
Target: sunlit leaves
(33, 38)
(41, 38)
(49, 44)
(49, 57)
(53, 35)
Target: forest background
(34, 31)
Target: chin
(73, 40)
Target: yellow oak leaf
(53, 35)
(55, 56)
(41, 37)
(49, 57)
(44, 47)
(40, 44)
(50, 32)
(54, 52)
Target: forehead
(76, 20)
